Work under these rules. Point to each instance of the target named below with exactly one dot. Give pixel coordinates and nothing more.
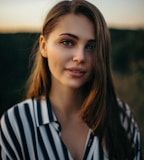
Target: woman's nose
(79, 56)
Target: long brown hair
(100, 109)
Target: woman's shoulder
(24, 113)
(18, 121)
(17, 125)
(14, 120)
(16, 113)
(127, 116)
(129, 124)
(28, 103)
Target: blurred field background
(127, 61)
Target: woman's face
(69, 50)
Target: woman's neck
(66, 104)
(66, 100)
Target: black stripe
(7, 158)
(42, 146)
(21, 130)
(92, 157)
(39, 112)
(65, 151)
(89, 144)
(138, 147)
(140, 152)
(124, 106)
(50, 137)
(101, 156)
(129, 123)
(50, 113)
(31, 125)
(11, 152)
(13, 136)
(132, 134)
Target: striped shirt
(31, 131)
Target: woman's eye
(67, 43)
(90, 47)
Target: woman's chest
(55, 146)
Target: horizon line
(38, 30)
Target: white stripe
(40, 155)
(15, 127)
(57, 142)
(105, 153)
(27, 132)
(44, 111)
(46, 142)
(93, 148)
(36, 112)
(6, 132)
(3, 154)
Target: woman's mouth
(76, 72)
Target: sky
(28, 15)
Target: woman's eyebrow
(92, 41)
(74, 36)
(69, 34)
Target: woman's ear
(42, 44)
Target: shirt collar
(43, 112)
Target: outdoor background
(20, 25)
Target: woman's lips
(76, 72)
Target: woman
(71, 110)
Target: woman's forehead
(78, 25)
